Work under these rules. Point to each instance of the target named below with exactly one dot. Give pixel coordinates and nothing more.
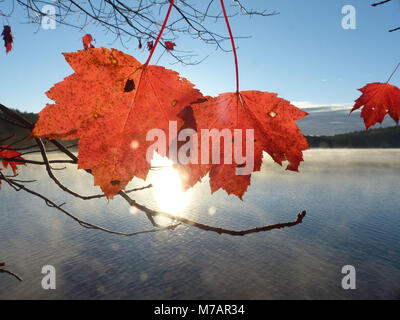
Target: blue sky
(303, 54)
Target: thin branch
(253, 12)
(380, 3)
(2, 270)
(22, 121)
(40, 163)
(8, 138)
(141, 20)
(18, 187)
(204, 227)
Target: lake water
(352, 198)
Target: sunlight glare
(167, 187)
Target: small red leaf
(7, 152)
(378, 100)
(87, 41)
(8, 38)
(170, 45)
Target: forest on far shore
(373, 138)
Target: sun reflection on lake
(167, 187)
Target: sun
(167, 187)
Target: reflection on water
(352, 200)
(167, 187)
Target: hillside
(7, 129)
(374, 138)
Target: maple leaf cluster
(112, 101)
(9, 152)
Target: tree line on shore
(373, 138)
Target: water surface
(353, 218)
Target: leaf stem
(171, 4)
(233, 45)
(391, 76)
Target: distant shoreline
(385, 138)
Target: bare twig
(204, 227)
(380, 3)
(141, 20)
(18, 187)
(8, 138)
(2, 270)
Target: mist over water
(353, 218)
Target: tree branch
(380, 3)
(140, 20)
(2, 270)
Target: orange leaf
(275, 132)
(378, 99)
(110, 103)
(87, 41)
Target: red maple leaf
(275, 132)
(169, 45)
(378, 100)
(8, 152)
(87, 41)
(8, 38)
(110, 103)
(189, 173)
